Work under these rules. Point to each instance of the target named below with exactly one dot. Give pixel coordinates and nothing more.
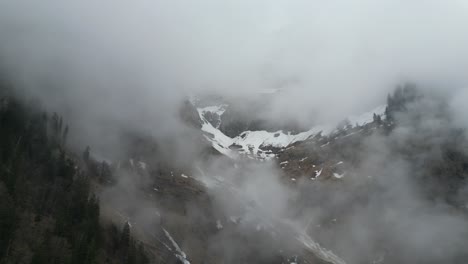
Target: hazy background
(127, 64)
(112, 65)
(134, 60)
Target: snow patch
(318, 173)
(216, 109)
(142, 165)
(252, 143)
(179, 254)
(319, 251)
(218, 139)
(368, 117)
(234, 219)
(338, 176)
(219, 226)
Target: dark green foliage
(65, 134)
(7, 220)
(377, 119)
(439, 152)
(121, 245)
(398, 102)
(104, 173)
(125, 239)
(48, 212)
(86, 154)
(130, 251)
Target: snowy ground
(254, 143)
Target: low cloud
(121, 63)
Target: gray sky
(134, 60)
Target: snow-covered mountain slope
(213, 114)
(218, 139)
(260, 144)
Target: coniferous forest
(48, 211)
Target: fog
(390, 208)
(112, 67)
(122, 62)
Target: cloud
(134, 60)
(112, 66)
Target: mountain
(381, 187)
(266, 144)
(49, 211)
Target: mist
(121, 63)
(120, 67)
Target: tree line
(48, 211)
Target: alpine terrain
(231, 132)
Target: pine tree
(125, 238)
(7, 221)
(65, 135)
(125, 242)
(86, 154)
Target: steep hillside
(49, 211)
(346, 193)
(262, 144)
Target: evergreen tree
(125, 237)
(42, 191)
(7, 221)
(86, 154)
(65, 135)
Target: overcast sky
(108, 64)
(134, 60)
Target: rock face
(188, 113)
(177, 214)
(235, 121)
(233, 132)
(318, 165)
(280, 196)
(188, 224)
